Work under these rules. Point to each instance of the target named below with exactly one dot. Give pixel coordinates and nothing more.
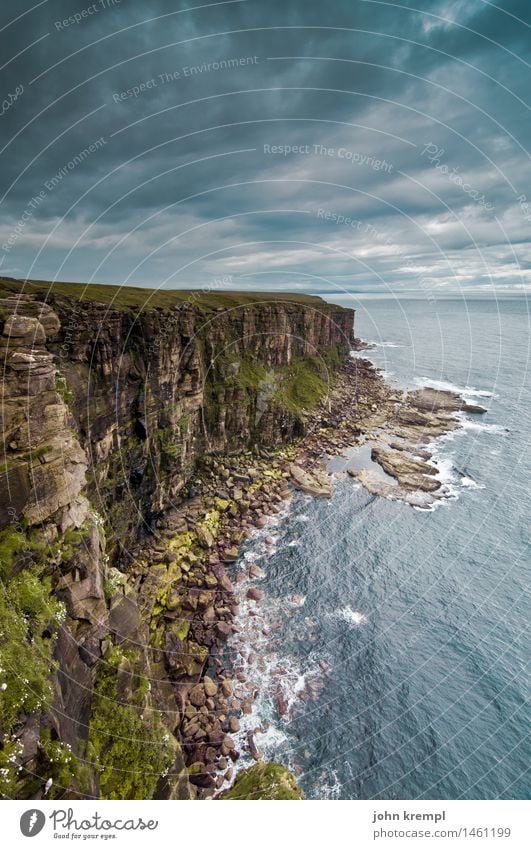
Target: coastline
(235, 497)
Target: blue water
(398, 638)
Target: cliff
(119, 407)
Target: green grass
(12, 543)
(37, 453)
(170, 447)
(59, 763)
(301, 385)
(251, 374)
(134, 297)
(264, 781)
(63, 389)
(127, 741)
(27, 608)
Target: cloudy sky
(338, 145)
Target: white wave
(302, 518)
(479, 393)
(446, 472)
(273, 738)
(295, 543)
(470, 483)
(297, 600)
(390, 345)
(447, 386)
(482, 427)
(300, 684)
(329, 785)
(354, 617)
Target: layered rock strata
(118, 520)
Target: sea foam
(447, 386)
(354, 617)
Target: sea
(389, 656)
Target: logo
(32, 822)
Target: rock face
(155, 391)
(44, 465)
(107, 415)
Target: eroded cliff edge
(113, 414)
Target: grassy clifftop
(131, 297)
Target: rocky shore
(234, 496)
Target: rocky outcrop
(264, 781)
(407, 426)
(411, 472)
(436, 401)
(316, 482)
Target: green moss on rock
(302, 385)
(264, 781)
(12, 543)
(29, 617)
(127, 741)
(56, 761)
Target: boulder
(197, 696)
(223, 630)
(234, 724)
(317, 482)
(124, 618)
(205, 536)
(25, 330)
(230, 555)
(254, 594)
(211, 688)
(255, 571)
(226, 687)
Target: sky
(341, 146)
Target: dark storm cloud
(365, 144)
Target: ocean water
(391, 649)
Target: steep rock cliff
(108, 412)
(156, 390)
